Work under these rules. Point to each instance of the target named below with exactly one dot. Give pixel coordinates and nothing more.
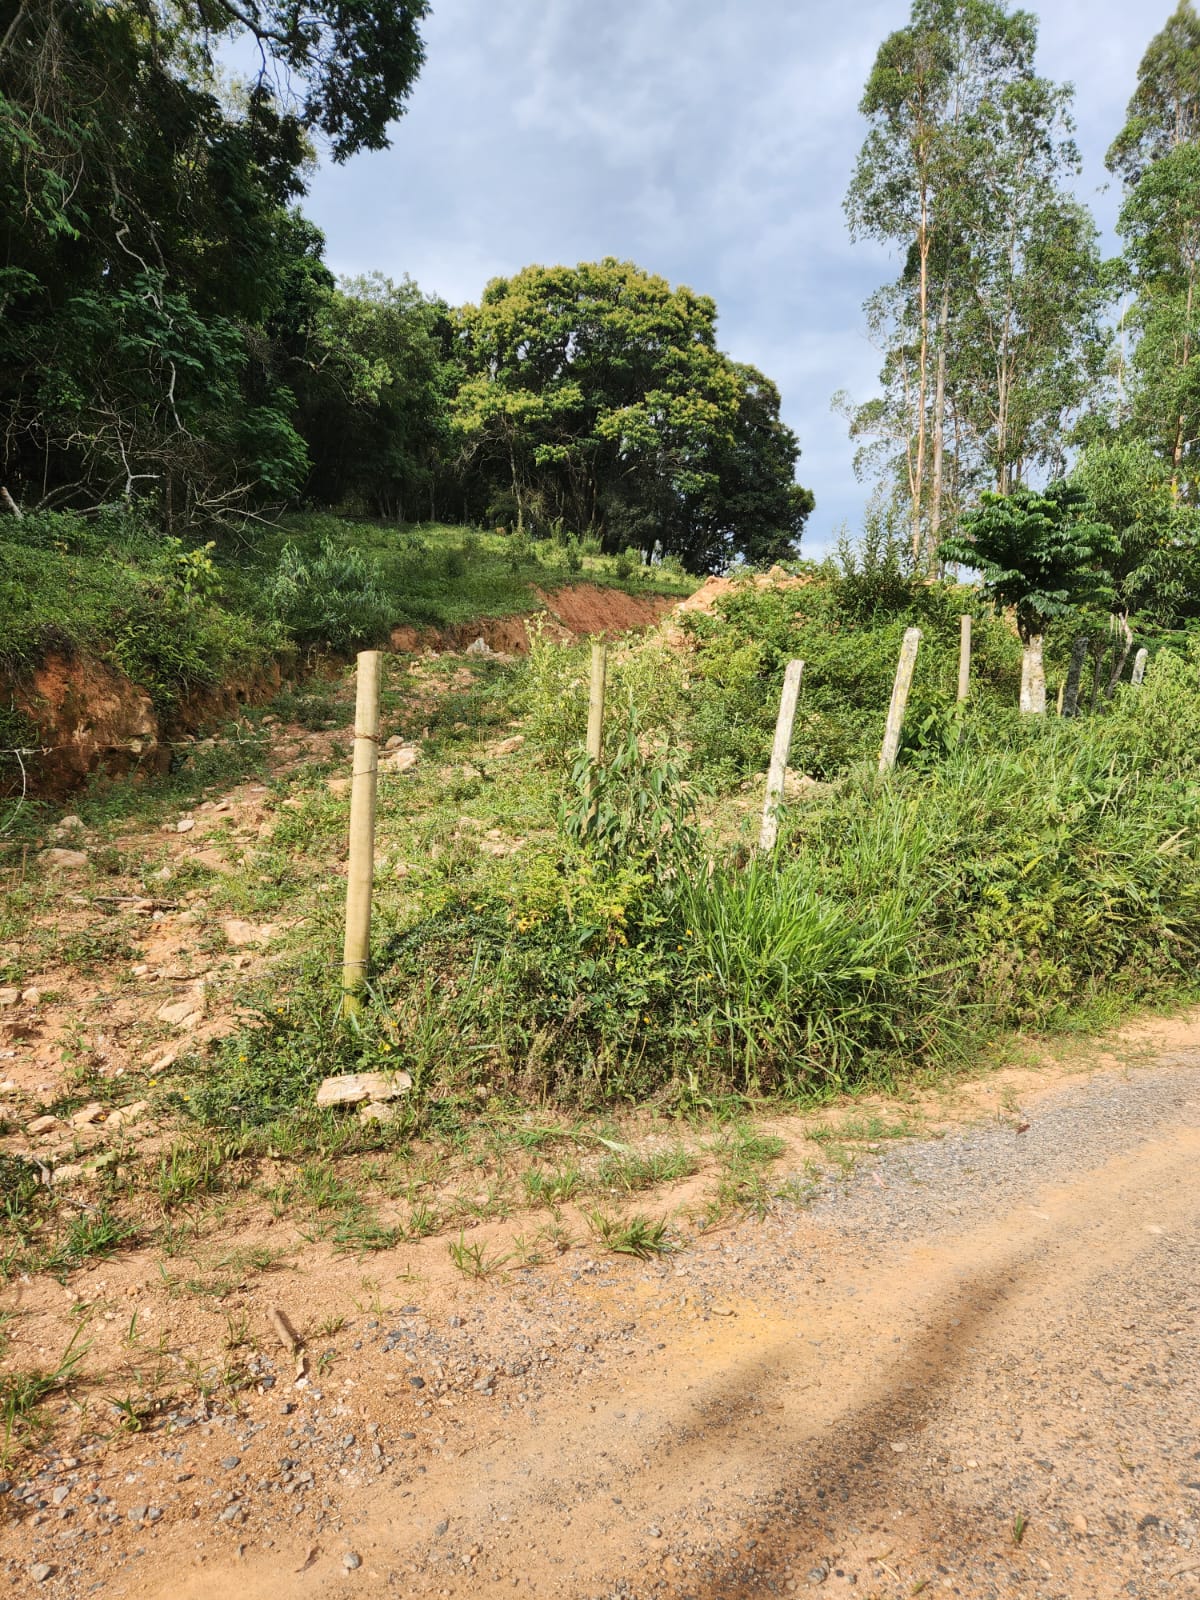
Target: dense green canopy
(169, 331)
(596, 396)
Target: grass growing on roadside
(638, 1235)
(22, 1393)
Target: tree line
(1014, 354)
(170, 333)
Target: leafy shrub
(334, 598)
(632, 808)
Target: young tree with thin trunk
(1041, 556)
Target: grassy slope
(462, 573)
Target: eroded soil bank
(88, 717)
(968, 1367)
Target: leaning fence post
(1139, 665)
(777, 771)
(362, 832)
(895, 717)
(964, 657)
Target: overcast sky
(708, 142)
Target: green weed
(473, 1259)
(22, 1393)
(90, 1237)
(631, 1236)
(633, 1172)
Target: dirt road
(970, 1368)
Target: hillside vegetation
(176, 617)
(587, 938)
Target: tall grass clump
(334, 597)
(795, 988)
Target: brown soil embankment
(87, 717)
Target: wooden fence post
(777, 772)
(895, 717)
(964, 657)
(595, 724)
(595, 727)
(361, 869)
(1079, 651)
(1139, 665)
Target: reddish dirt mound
(709, 593)
(577, 610)
(585, 608)
(87, 716)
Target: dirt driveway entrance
(968, 1368)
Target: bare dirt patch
(963, 1367)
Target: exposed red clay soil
(577, 610)
(90, 718)
(584, 608)
(89, 715)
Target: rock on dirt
(373, 1111)
(123, 1116)
(64, 860)
(353, 1088)
(185, 1013)
(238, 932)
(401, 760)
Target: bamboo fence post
(895, 717)
(964, 657)
(1139, 665)
(1079, 651)
(777, 772)
(361, 868)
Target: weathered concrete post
(777, 771)
(964, 658)
(895, 717)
